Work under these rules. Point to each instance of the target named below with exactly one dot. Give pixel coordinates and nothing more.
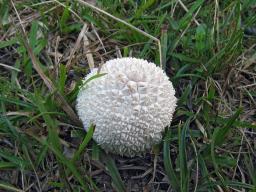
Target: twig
(77, 45)
(216, 22)
(118, 52)
(88, 52)
(97, 35)
(9, 67)
(56, 56)
(245, 86)
(186, 9)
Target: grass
(207, 50)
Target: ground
(208, 49)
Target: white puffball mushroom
(130, 105)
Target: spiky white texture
(130, 105)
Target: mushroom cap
(130, 105)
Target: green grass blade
(41, 114)
(205, 173)
(9, 187)
(184, 172)
(17, 161)
(4, 13)
(64, 18)
(145, 5)
(92, 78)
(200, 37)
(96, 151)
(33, 34)
(66, 162)
(53, 141)
(220, 133)
(16, 102)
(62, 79)
(188, 16)
(168, 163)
(8, 43)
(6, 165)
(51, 124)
(41, 155)
(113, 171)
(251, 168)
(83, 145)
(218, 139)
